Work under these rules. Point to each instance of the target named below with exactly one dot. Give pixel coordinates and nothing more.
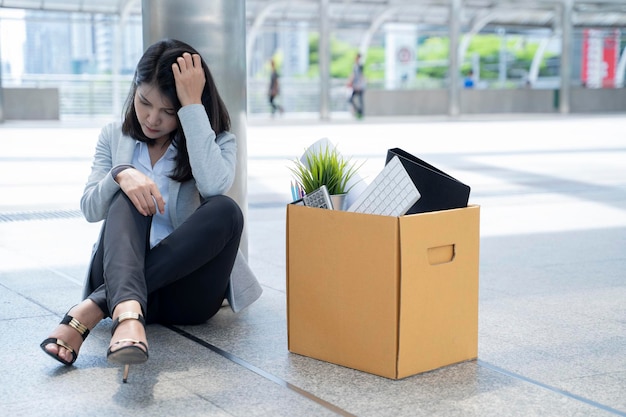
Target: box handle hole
(441, 254)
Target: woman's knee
(121, 204)
(226, 210)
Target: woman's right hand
(189, 78)
(142, 191)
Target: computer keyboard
(392, 193)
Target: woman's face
(155, 113)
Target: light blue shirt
(161, 224)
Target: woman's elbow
(217, 187)
(91, 215)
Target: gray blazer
(212, 160)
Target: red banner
(600, 57)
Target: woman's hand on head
(141, 191)
(189, 78)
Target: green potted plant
(325, 166)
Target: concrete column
(1, 93)
(454, 95)
(566, 56)
(118, 34)
(502, 66)
(324, 59)
(217, 29)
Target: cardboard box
(391, 296)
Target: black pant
(356, 99)
(273, 105)
(184, 278)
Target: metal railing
(93, 95)
(86, 95)
(79, 95)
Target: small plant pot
(339, 201)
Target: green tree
(519, 55)
(432, 56)
(433, 50)
(342, 59)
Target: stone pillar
(324, 59)
(454, 95)
(217, 29)
(566, 56)
(1, 93)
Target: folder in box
(439, 191)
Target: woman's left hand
(189, 78)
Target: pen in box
(294, 191)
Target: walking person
(274, 90)
(168, 250)
(468, 81)
(357, 83)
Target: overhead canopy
(361, 13)
(87, 6)
(533, 13)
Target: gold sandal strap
(81, 328)
(65, 345)
(133, 341)
(76, 325)
(129, 315)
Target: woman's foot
(128, 342)
(66, 340)
(128, 332)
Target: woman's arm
(212, 159)
(100, 187)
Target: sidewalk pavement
(552, 320)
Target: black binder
(439, 191)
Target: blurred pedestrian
(357, 84)
(468, 82)
(274, 90)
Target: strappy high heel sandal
(131, 354)
(74, 324)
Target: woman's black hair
(155, 68)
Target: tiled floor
(552, 311)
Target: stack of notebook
(438, 190)
(408, 185)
